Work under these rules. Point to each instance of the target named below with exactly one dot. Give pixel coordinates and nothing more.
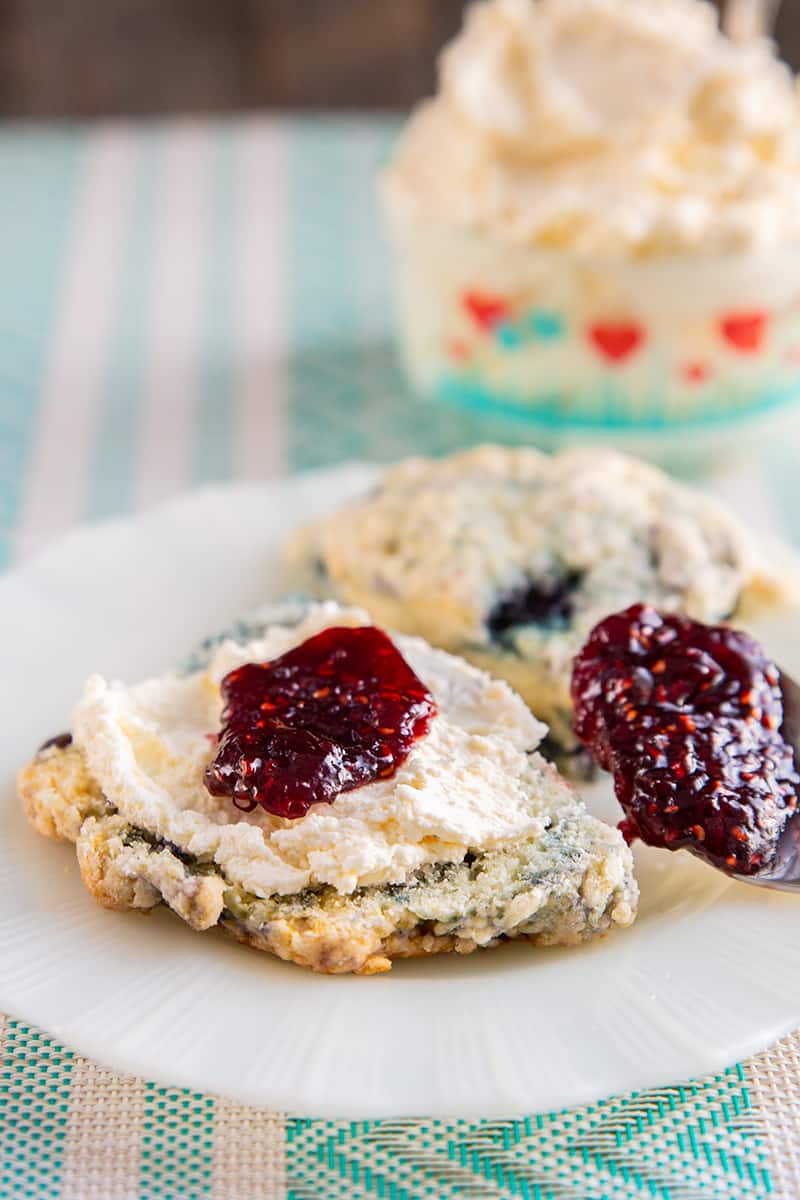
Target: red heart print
(457, 349)
(616, 341)
(486, 310)
(696, 372)
(745, 330)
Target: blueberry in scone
(510, 558)
(331, 793)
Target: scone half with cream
(332, 794)
(509, 558)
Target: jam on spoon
(342, 709)
(688, 719)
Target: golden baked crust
(573, 883)
(58, 793)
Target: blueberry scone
(331, 794)
(510, 558)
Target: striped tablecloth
(189, 302)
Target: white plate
(709, 973)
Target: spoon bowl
(783, 873)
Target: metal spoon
(783, 873)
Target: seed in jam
(687, 717)
(341, 710)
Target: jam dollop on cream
(340, 710)
(688, 718)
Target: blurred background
(124, 57)
(193, 301)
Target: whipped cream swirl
(607, 126)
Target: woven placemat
(71, 1130)
(775, 1093)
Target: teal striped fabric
(37, 205)
(187, 302)
(73, 1132)
(110, 487)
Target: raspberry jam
(341, 710)
(688, 717)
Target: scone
(424, 819)
(510, 558)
